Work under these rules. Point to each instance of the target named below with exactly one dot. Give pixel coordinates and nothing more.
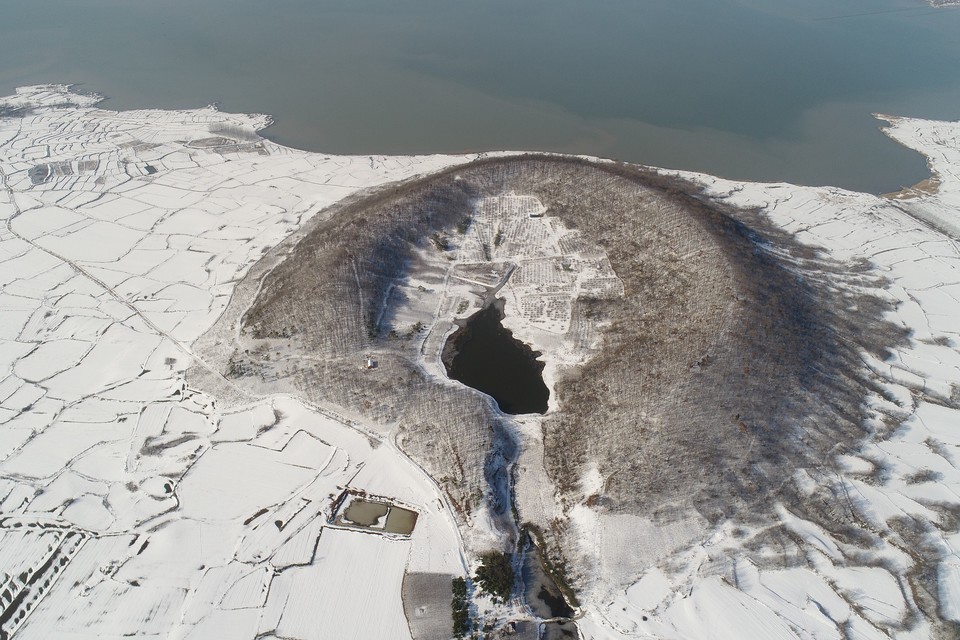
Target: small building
(371, 363)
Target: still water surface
(484, 355)
(755, 89)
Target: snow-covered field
(132, 504)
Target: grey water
(745, 89)
(540, 592)
(365, 513)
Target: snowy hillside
(134, 504)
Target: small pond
(484, 355)
(401, 521)
(365, 513)
(540, 591)
(369, 515)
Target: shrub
(495, 575)
(461, 613)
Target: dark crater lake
(484, 355)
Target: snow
(949, 578)
(356, 593)
(190, 508)
(649, 591)
(841, 591)
(212, 490)
(715, 609)
(204, 515)
(921, 263)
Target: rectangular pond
(376, 515)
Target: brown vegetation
(730, 361)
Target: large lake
(753, 89)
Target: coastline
(176, 275)
(927, 186)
